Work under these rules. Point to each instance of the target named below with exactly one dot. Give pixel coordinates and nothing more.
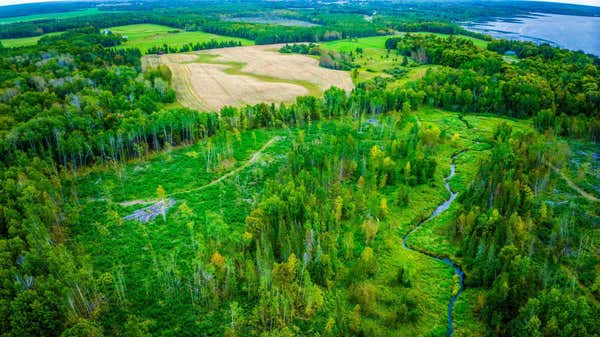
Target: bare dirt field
(211, 79)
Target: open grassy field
(378, 42)
(50, 16)
(209, 80)
(413, 74)
(24, 41)
(145, 36)
(375, 59)
(348, 45)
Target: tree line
(551, 84)
(212, 44)
(79, 102)
(514, 241)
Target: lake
(566, 31)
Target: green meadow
(375, 59)
(145, 36)
(24, 41)
(52, 16)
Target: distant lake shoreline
(565, 31)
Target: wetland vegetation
(427, 185)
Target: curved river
(457, 270)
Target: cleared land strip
(249, 162)
(572, 185)
(255, 157)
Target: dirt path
(572, 185)
(249, 162)
(566, 269)
(136, 202)
(255, 157)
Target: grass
(435, 235)
(150, 257)
(178, 169)
(414, 73)
(25, 41)
(348, 45)
(510, 58)
(583, 167)
(53, 16)
(147, 251)
(378, 42)
(375, 59)
(466, 322)
(145, 36)
(432, 280)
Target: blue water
(565, 31)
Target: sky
(578, 2)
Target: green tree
(162, 199)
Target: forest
(453, 191)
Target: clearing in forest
(146, 36)
(25, 41)
(212, 79)
(54, 16)
(372, 59)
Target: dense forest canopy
(314, 217)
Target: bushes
(336, 60)
(212, 44)
(301, 48)
(365, 295)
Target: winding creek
(457, 269)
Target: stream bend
(457, 269)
